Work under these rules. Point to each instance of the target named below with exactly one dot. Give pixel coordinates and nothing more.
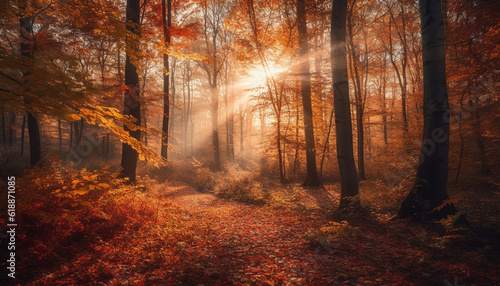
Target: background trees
(241, 69)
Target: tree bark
(4, 134)
(358, 99)
(60, 135)
(12, 133)
(312, 174)
(167, 22)
(22, 135)
(172, 97)
(33, 128)
(343, 125)
(132, 103)
(428, 197)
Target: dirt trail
(253, 244)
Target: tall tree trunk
(119, 64)
(33, 128)
(280, 152)
(401, 76)
(189, 104)
(60, 135)
(327, 141)
(215, 124)
(12, 125)
(485, 169)
(167, 22)
(215, 111)
(230, 120)
(343, 125)
(22, 135)
(132, 103)
(172, 105)
(384, 101)
(4, 134)
(70, 135)
(226, 107)
(428, 197)
(358, 99)
(106, 152)
(242, 117)
(297, 141)
(35, 144)
(312, 174)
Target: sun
(257, 76)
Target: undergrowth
(74, 223)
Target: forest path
(250, 244)
(241, 244)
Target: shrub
(241, 186)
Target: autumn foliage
(167, 142)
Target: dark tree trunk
(22, 135)
(428, 197)
(358, 100)
(215, 124)
(33, 128)
(35, 145)
(172, 105)
(343, 125)
(297, 142)
(132, 103)
(4, 134)
(485, 169)
(70, 135)
(215, 111)
(312, 174)
(230, 117)
(242, 117)
(327, 141)
(167, 21)
(12, 125)
(60, 135)
(106, 152)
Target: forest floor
(174, 235)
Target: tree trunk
(230, 121)
(384, 102)
(485, 169)
(60, 135)
(22, 135)
(242, 117)
(12, 133)
(358, 100)
(35, 144)
(33, 128)
(167, 22)
(132, 103)
(189, 107)
(172, 105)
(4, 134)
(312, 174)
(343, 125)
(106, 153)
(428, 197)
